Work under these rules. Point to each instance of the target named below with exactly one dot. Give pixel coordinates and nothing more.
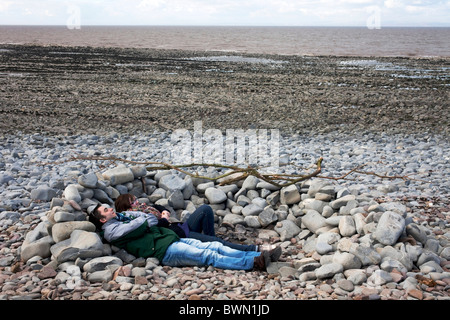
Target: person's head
(100, 215)
(124, 201)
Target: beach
(71, 90)
(62, 105)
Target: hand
(165, 214)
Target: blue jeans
(202, 220)
(192, 252)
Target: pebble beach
(365, 237)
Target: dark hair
(95, 217)
(122, 202)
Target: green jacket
(147, 242)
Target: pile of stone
(344, 235)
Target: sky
(376, 13)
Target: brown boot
(275, 254)
(262, 261)
(274, 251)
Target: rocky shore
(365, 237)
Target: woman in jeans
(139, 234)
(200, 224)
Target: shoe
(262, 261)
(274, 251)
(275, 254)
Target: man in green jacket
(139, 234)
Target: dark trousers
(201, 227)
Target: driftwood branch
(239, 173)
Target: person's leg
(202, 220)
(218, 247)
(274, 254)
(206, 238)
(192, 252)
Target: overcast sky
(227, 12)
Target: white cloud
(145, 4)
(228, 12)
(413, 9)
(4, 5)
(393, 4)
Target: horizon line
(238, 26)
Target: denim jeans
(192, 252)
(205, 238)
(202, 220)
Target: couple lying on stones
(145, 231)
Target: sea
(337, 41)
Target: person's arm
(114, 229)
(151, 219)
(150, 209)
(159, 207)
(163, 223)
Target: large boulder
(88, 180)
(62, 231)
(81, 243)
(37, 243)
(390, 226)
(119, 175)
(287, 229)
(71, 193)
(215, 196)
(172, 182)
(290, 195)
(43, 193)
(313, 220)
